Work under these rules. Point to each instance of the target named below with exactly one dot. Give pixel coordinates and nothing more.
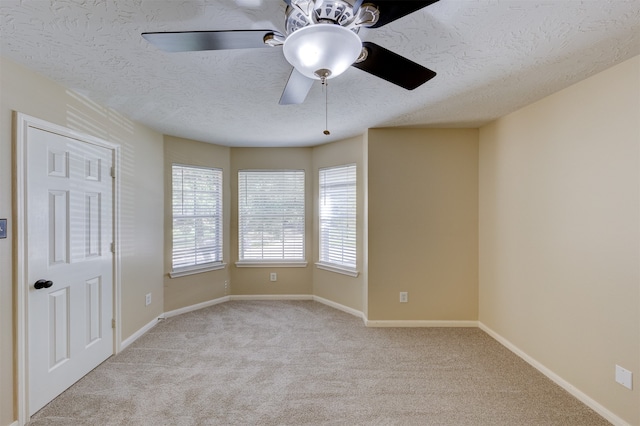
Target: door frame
(21, 124)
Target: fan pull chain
(323, 74)
(326, 107)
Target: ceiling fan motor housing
(310, 12)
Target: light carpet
(303, 363)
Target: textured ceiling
(492, 57)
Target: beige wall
(423, 224)
(559, 233)
(193, 289)
(342, 289)
(256, 280)
(142, 193)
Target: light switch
(3, 228)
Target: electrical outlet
(273, 276)
(147, 299)
(404, 297)
(624, 377)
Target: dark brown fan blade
(390, 10)
(188, 41)
(297, 88)
(394, 68)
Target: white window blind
(271, 215)
(197, 217)
(338, 215)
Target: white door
(70, 263)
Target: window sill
(344, 270)
(197, 270)
(271, 264)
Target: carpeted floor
(303, 363)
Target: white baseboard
(584, 398)
(335, 305)
(272, 297)
(14, 423)
(135, 336)
(420, 323)
(195, 307)
(339, 307)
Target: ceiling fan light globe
(322, 46)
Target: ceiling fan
(321, 42)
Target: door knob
(42, 284)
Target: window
(337, 219)
(197, 219)
(271, 216)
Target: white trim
(344, 270)
(135, 336)
(197, 270)
(20, 264)
(420, 323)
(330, 303)
(117, 257)
(339, 307)
(272, 297)
(21, 124)
(15, 423)
(268, 264)
(195, 307)
(584, 398)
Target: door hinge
(113, 323)
(113, 248)
(113, 172)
